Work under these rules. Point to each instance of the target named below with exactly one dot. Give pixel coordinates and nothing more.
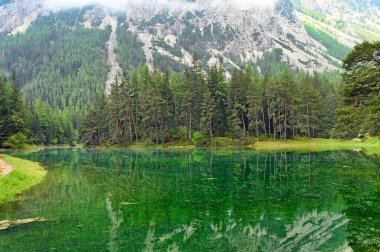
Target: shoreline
(24, 175)
(300, 144)
(316, 144)
(297, 144)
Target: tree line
(198, 106)
(156, 107)
(34, 122)
(12, 112)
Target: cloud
(245, 4)
(66, 4)
(123, 4)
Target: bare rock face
(16, 13)
(229, 32)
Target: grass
(298, 144)
(317, 144)
(25, 174)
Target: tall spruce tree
(17, 109)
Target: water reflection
(223, 200)
(309, 232)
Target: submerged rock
(6, 224)
(128, 203)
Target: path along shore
(5, 168)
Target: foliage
(129, 52)
(158, 108)
(360, 91)
(12, 112)
(199, 139)
(16, 141)
(334, 48)
(60, 69)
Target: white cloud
(245, 4)
(65, 4)
(123, 4)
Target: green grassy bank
(316, 144)
(298, 144)
(24, 175)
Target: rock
(6, 224)
(128, 203)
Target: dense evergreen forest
(195, 106)
(60, 66)
(12, 113)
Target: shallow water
(205, 200)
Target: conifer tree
(17, 109)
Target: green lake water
(198, 200)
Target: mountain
(310, 35)
(64, 52)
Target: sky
(122, 4)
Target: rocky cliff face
(172, 32)
(16, 14)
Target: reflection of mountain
(309, 232)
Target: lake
(198, 200)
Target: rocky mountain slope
(349, 21)
(305, 34)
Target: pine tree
(114, 108)
(187, 103)
(208, 114)
(255, 105)
(17, 109)
(238, 101)
(219, 93)
(128, 117)
(4, 111)
(94, 128)
(360, 91)
(197, 88)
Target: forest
(198, 105)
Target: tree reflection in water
(206, 199)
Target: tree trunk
(133, 121)
(265, 127)
(211, 135)
(308, 121)
(190, 122)
(257, 123)
(269, 125)
(285, 119)
(242, 119)
(274, 127)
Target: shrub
(199, 139)
(179, 133)
(16, 141)
(74, 143)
